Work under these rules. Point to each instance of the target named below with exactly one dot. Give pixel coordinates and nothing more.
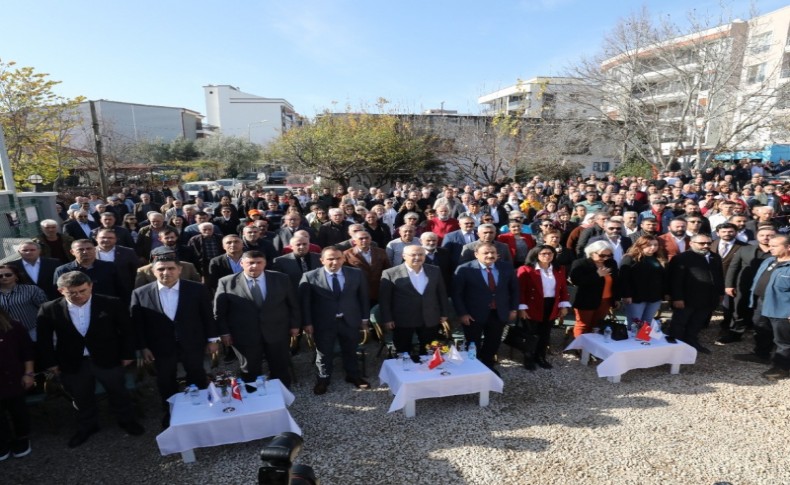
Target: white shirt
(168, 297)
(742, 237)
(106, 255)
(418, 280)
(32, 270)
(617, 254)
(548, 281)
(81, 318)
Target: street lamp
(249, 128)
(36, 180)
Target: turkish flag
(235, 390)
(436, 360)
(644, 332)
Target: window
(760, 43)
(755, 74)
(601, 166)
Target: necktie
(724, 249)
(335, 285)
(492, 287)
(303, 264)
(256, 293)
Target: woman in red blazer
(544, 297)
(519, 244)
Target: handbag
(619, 330)
(521, 338)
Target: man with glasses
(104, 275)
(80, 227)
(613, 235)
(696, 287)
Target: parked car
(231, 185)
(192, 188)
(250, 178)
(278, 177)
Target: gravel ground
(718, 421)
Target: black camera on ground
(278, 467)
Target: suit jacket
(123, 236)
(378, 263)
(104, 275)
(46, 275)
(127, 262)
(670, 247)
(454, 242)
(696, 282)
(319, 305)
(726, 260)
(472, 295)
(192, 327)
(145, 274)
(73, 229)
(531, 285)
(742, 269)
(238, 315)
(502, 249)
(590, 286)
(330, 233)
(288, 265)
(144, 242)
(109, 340)
(401, 303)
(218, 268)
(441, 258)
(226, 226)
(283, 237)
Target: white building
(125, 123)
(235, 113)
(541, 97)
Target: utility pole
(99, 159)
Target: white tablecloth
(419, 382)
(621, 356)
(196, 426)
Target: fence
(20, 215)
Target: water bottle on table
(194, 394)
(260, 384)
(242, 387)
(607, 334)
(471, 352)
(405, 359)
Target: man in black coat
(334, 231)
(104, 275)
(95, 341)
(696, 288)
(298, 262)
(79, 227)
(36, 269)
(225, 264)
(174, 323)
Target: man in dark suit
(107, 221)
(95, 341)
(257, 312)
(252, 241)
(142, 208)
(696, 288)
(104, 275)
(413, 298)
(455, 241)
(486, 297)
(726, 246)
(436, 256)
(80, 227)
(291, 224)
(613, 235)
(124, 258)
(206, 246)
(225, 264)
(226, 222)
(486, 234)
(174, 323)
(36, 269)
(335, 230)
(372, 261)
(298, 262)
(334, 308)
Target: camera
(278, 467)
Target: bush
(190, 177)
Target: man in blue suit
(455, 241)
(485, 295)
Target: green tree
(375, 148)
(36, 123)
(229, 154)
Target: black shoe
(530, 365)
(82, 436)
(728, 339)
(544, 364)
(359, 382)
(133, 428)
(20, 448)
(701, 349)
(775, 374)
(752, 357)
(320, 387)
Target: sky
(330, 54)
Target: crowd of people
(151, 274)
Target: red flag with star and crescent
(235, 389)
(436, 360)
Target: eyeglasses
(613, 228)
(6, 275)
(605, 256)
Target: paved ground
(716, 422)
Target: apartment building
(542, 97)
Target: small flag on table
(644, 332)
(454, 356)
(235, 389)
(212, 393)
(436, 360)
